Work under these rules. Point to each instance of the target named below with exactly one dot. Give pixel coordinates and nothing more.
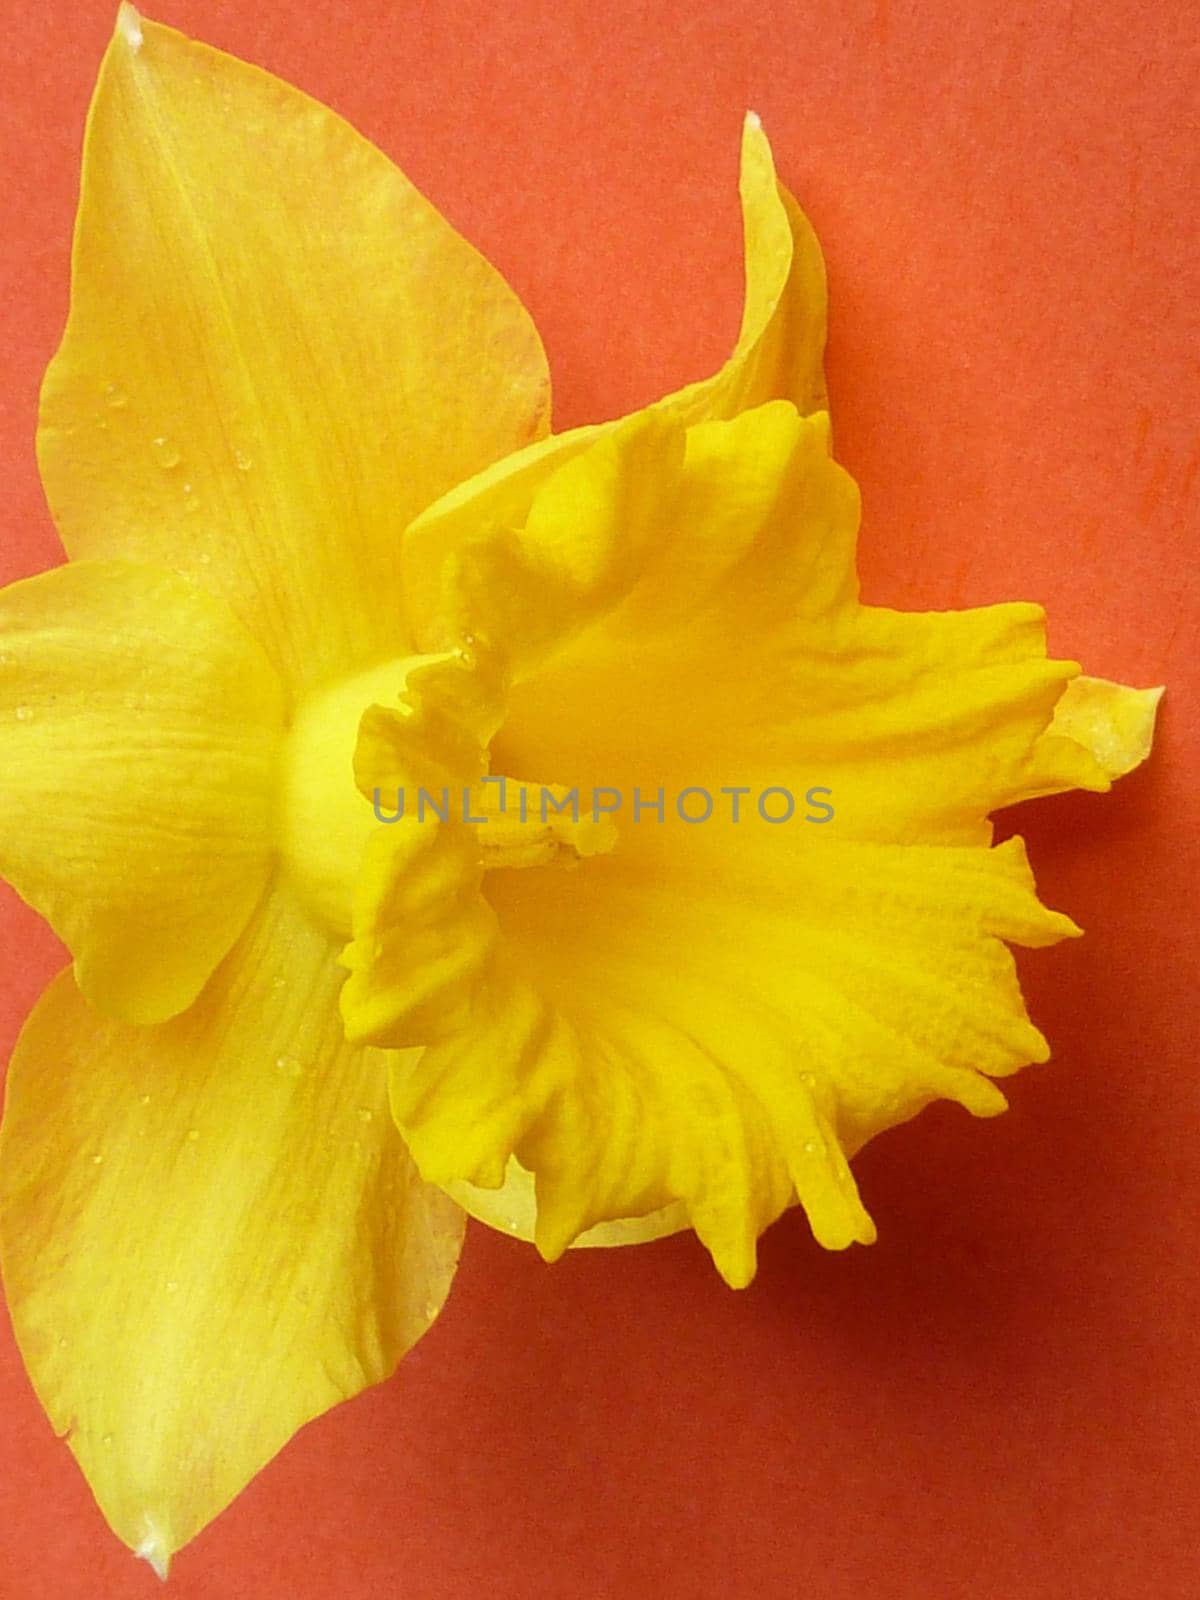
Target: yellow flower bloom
(323, 557)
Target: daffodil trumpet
(324, 550)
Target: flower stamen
(536, 825)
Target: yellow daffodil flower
(358, 753)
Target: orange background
(999, 1399)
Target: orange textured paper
(999, 1400)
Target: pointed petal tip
(129, 28)
(153, 1549)
(737, 1264)
(754, 121)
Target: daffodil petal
(1100, 731)
(422, 934)
(277, 352)
(932, 721)
(759, 523)
(211, 1231)
(523, 588)
(139, 730)
(778, 356)
(512, 1208)
(780, 348)
(675, 521)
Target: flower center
(326, 822)
(536, 825)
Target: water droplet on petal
(97, 1160)
(431, 1310)
(107, 1439)
(171, 1285)
(145, 1100)
(810, 1148)
(62, 1343)
(116, 396)
(24, 713)
(165, 451)
(193, 1135)
(514, 1227)
(289, 1066)
(242, 461)
(365, 1114)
